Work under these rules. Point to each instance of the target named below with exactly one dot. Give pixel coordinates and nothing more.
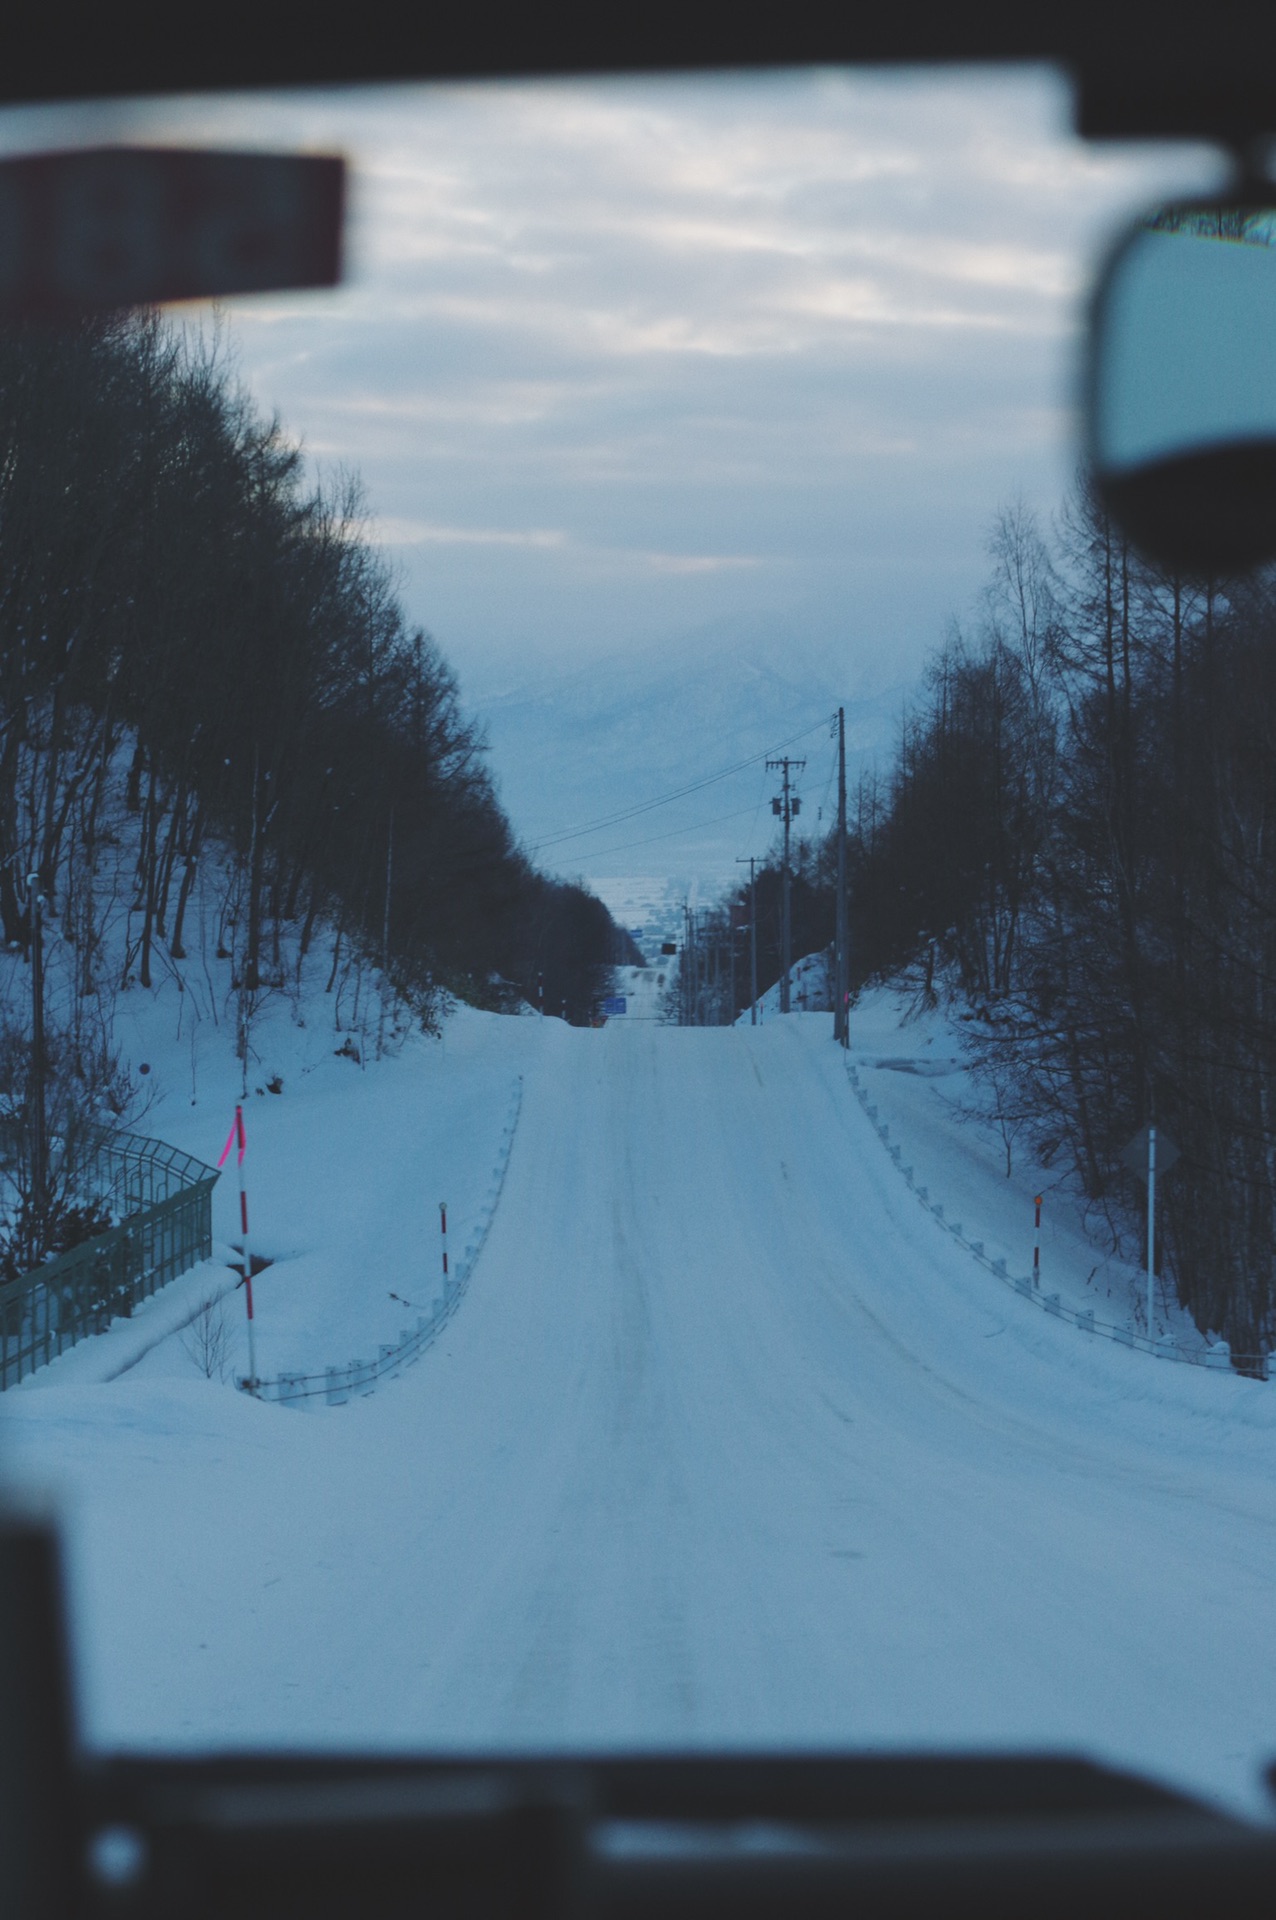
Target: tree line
(191, 622)
(1077, 838)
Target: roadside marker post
(1150, 1152)
(237, 1138)
(1151, 1227)
(1036, 1244)
(443, 1233)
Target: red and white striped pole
(443, 1231)
(1036, 1244)
(238, 1139)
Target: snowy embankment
(729, 1444)
(808, 991)
(346, 1168)
(912, 1068)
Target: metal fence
(1218, 1354)
(164, 1199)
(335, 1386)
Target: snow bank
(913, 1071)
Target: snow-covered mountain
(602, 742)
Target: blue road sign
(616, 1003)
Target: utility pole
(841, 970)
(787, 805)
(695, 972)
(712, 955)
(753, 939)
(731, 958)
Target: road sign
(616, 1003)
(1135, 1156)
(111, 227)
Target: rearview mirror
(1181, 399)
(106, 227)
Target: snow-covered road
(728, 1443)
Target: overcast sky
(618, 360)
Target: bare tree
(206, 1341)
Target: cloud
(425, 533)
(620, 357)
(688, 563)
(394, 532)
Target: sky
(623, 364)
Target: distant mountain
(576, 749)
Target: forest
(1076, 842)
(195, 630)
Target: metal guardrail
(335, 1386)
(1217, 1355)
(165, 1197)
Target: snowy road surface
(728, 1443)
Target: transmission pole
(788, 806)
(713, 973)
(730, 1021)
(690, 970)
(693, 974)
(753, 939)
(685, 969)
(841, 971)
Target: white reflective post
(1151, 1224)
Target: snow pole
(1036, 1244)
(540, 994)
(443, 1232)
(1151, 1226)
(237, 1138)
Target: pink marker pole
(443, 1230)
(1036, 1245)
(238, 1139)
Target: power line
(599, 852)
(753, 824)
(680, 793)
